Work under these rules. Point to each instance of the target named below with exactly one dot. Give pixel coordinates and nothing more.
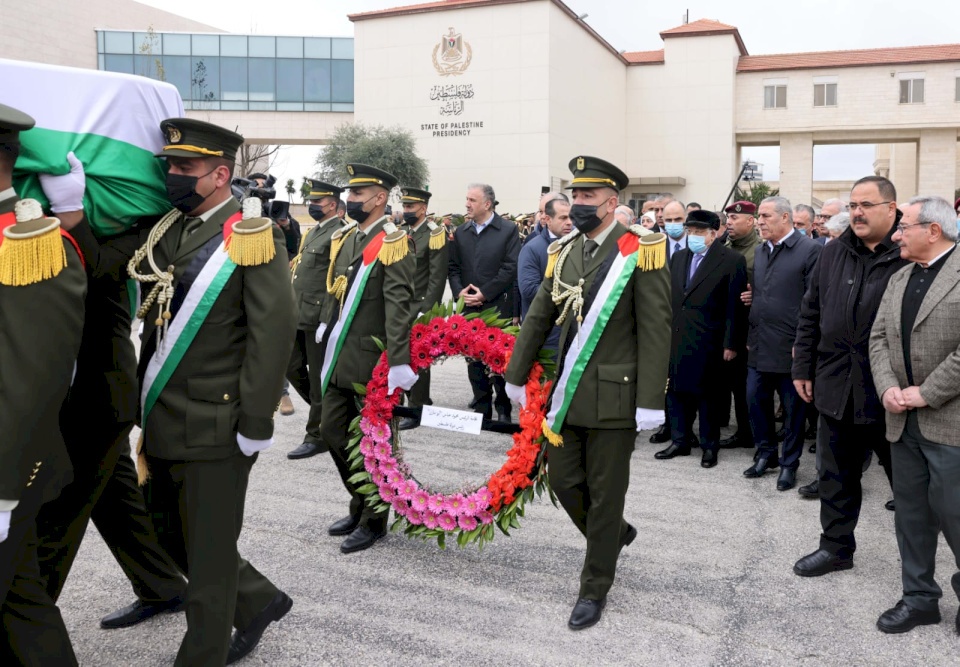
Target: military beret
(319, 190)
(703, 219)
(592, 172)
(187, 137)
(362, 175)
(415, 196)
(741, 207)
(13, 122)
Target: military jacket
(231, 376)
(310, 274)
(431, 272)
(628, 368)
(40, 331)
(383, 311)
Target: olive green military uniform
(226, 383)
(41, 323)
(590, 471)
(430, 279)
(383, 312)
(310, 295)
(746, 246)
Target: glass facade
(238, 72)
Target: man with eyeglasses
(830, 208)
(913, 353)
(831, 365)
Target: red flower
(456, 323)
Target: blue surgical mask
(696, 243)
(803, 232)
(674, 229)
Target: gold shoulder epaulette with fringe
(553, 251)
(32, 249)
(395, 246)
(438, 236)
(338, 287)
(251, 239)
(652, 254)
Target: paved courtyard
(707, 582)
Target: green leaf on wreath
(379, 343)
(359, 388)
(442, 540)
(367, 489)
(359, 477)
(396, 524)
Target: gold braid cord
(162, 291)
(569, 296)
(338, 287)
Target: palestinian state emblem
(452, 55)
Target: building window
(775, 96)
(956, 95)
(824, 94)
(911, 88)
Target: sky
(634, 25)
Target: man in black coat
(708, 322)
(831, 364)
(782, 269)
(483, 270)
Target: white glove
(5, 524)
(320, 331)
(517, 394)
(402, 377)
(66, 192)
(648, 419)
(250, 447)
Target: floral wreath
(374, 449)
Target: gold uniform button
(626, 379)
(226, 397)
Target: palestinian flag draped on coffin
(110, 121)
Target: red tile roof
(858, 58)
(644, 57)
(704, 28)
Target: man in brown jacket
(916, 369)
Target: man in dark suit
(41, 321)
(483, 270)
(708, 321)
(210, 374)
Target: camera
(250, 187)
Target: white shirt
(937, 258)
(480, 226)
(206, 216)
(771, 244)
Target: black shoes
(813, 448)
(891, 505)
(761, 465)
(344, 526)
(736, 440)
(138, 612)
(787, 479)
(903, 618)
(674, 449)
(245, 641)
(586, 613)
(361, 538)
(811, 434)
(821, 562)
(628, 537)
(408, 423)
(811, 491)
(503, 414)
(782, 434)
(662, 435)
(306, 450)
(709, 458)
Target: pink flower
(436, 502)
(366, 446)
(400, 506)
(369, 464)
(381, 433)
(414, 517)
(408, 490)
(485, 517)
(366, 425)
(382, 451)
(430, 520)
(396, 480)
(446, 521)
(387, 494)
(388, 465)
(473, 505)
(455, 504)
(378, 477)
(467, 522)
(420, 500)
(483, 495)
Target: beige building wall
(277, 127)
(62, 32)
(680, 119)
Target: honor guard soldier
(218, 327)
(608, 289)
(42, 291)
(370, 280)
(310, 268)
(430, 246)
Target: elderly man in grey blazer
(915, 357)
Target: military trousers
(197, 507)
(590, 474)
(340, 407)
(419, 395)
(306, 360)
(105, 489)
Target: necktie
(358, 240)
(676, 248)
(190, 225)
(589, 247)
(694, 265)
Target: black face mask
(584, 217)
(356, 212)
(316, 212)
(410, 217)
(182, 191)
